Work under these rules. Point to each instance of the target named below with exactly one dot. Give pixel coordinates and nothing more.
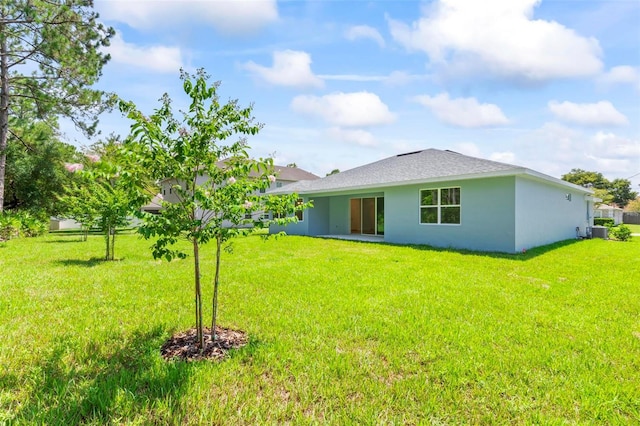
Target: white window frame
(438, 206)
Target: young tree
(50, 55)
(203, 157)
(74, 205)
(106, 197)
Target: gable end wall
(544, 215)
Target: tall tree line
(50, 56)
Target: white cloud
(157, 58)
(232, 17)
(357, 109)
(622, 75)
(401, 78)
(463, 112)
(364, 31)
(503, 157)
(608, 165)
(613, 146)
(290, 68)
(501, 37)
(395, 78)
(352, 136)
(596, 114)
(556, 149)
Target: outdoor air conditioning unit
(600, 232)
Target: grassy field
(634, 228)
(341, 333)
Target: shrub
(9, 226)
(603, 221)
(31, 225)
(620, 233)
(16, 224)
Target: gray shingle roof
(414, 167)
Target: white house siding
(610, 212)
(544, 214)
(486, 223)
(56, 224)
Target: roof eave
(556, 181)
(519, 171)
(502, 173)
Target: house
(605, 210)
(154, 205)
(284, 176)
(59, 224)
(444, 199)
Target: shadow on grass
(121, 378)
(529, 254)
(66, 240)
(87, 263)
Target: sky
(549, 85)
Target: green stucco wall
(487, 220)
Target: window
(278, 184)
(440, 206)
(299, 213)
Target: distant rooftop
(293, 174)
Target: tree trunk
(216, 282)
(113, 243)
(108, 240)
(199, 328)
(4, 113)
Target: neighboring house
(444, 199)
(59, 224)
(284, 175)
(154, 205)
(605, 210)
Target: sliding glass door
(367, 216)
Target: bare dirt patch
(183, 346)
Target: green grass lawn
(634, 228)
(341, 333)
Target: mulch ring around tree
(183, 346)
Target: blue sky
(550, 85)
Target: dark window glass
(429, 215)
